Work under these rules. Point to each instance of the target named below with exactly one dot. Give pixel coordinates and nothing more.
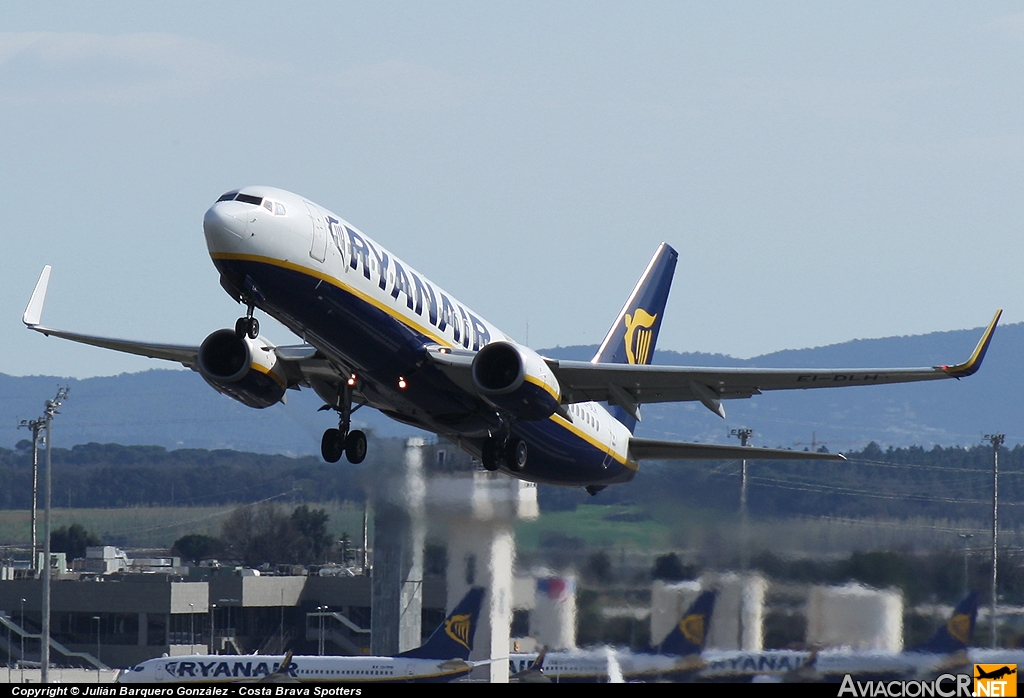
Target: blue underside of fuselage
(381, 349)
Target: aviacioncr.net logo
(995, 679)
(945, 686)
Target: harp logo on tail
(692, 628)
(959, 627)
(639, 336)
(457, 628)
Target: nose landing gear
(247, 326)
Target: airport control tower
(436, 492)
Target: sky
(827, 171)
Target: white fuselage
(223, 668)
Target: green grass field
(597, 526)
(158, 527)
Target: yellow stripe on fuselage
(338, 283)
(590, 439)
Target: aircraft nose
(224, 221)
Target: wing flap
(648, 449)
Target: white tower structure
(473, 511)
(737, 622)
(855, 616)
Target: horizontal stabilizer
(648, 449)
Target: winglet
(970, 367)
(34, 311)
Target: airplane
(946, 650)
(377, 332)
(677, 656)
(443, 657)
(999, 673)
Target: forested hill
(176, 409)
(938, 483)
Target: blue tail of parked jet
(634, 333)
(956, 634)
(453, 639)
(688, 637)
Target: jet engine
(242, 368)
(516, 379)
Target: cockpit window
(228, 196)
(267, 204)
(278, 209)
(249, 199)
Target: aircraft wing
(301, 362)
(630, 385)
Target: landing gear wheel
(355, 446)
(332, 445)
(247, 326)
(517, 454)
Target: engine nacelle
(516, 379)
(241, 368)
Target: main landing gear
(247, 326)
(336, 442)
(504, 450)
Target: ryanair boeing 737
(376, 332)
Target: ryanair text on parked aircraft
(443, 657)
(377, 332)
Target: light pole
(320, 648)
(213, 607)
(98, 660)
(44, 652)
(744, 436)
(191, 634)
(996, 440)
(35, 425)
(22, 660)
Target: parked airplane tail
(956, 634)
(453, 639)
(688, 637)
(634, 333)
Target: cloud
(72, 67)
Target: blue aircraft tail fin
(688, 637)
(453, 639)
(634, 333)
(956, 634)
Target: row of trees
(263, 533)
(251, 535)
